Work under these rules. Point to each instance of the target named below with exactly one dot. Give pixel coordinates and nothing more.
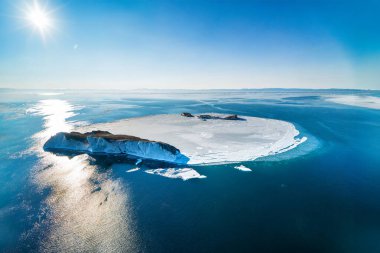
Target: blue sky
(192, 44)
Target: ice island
(183, 139)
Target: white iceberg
(242, 168)
(133, 170)
(210, 141)
(183, 173)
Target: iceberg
(182, 139)
(103, 142)
(133, 170)
(242, 168)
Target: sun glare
(39, 18)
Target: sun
(39, 17)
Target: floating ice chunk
(242, 168)
(133, 170)
(184, 173)
(354, 100)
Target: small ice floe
(133, 170)
(138, 161)
(242, 168)
(184, 173)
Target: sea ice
(354, 100)
(133, 170)
(184, 173)
(242, 168)
(211, 141)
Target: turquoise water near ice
(322, 196)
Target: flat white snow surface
(184, 173)
(242, 168)
(354, 100)
(212, 141)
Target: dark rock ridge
(115, 137)
(232, 117)
(187, 114)
(102, 134)
(208, 116)
(96, 142)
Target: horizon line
(187, 89)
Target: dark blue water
(321, 197)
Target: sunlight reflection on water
(87, 210)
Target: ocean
(322, 196)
